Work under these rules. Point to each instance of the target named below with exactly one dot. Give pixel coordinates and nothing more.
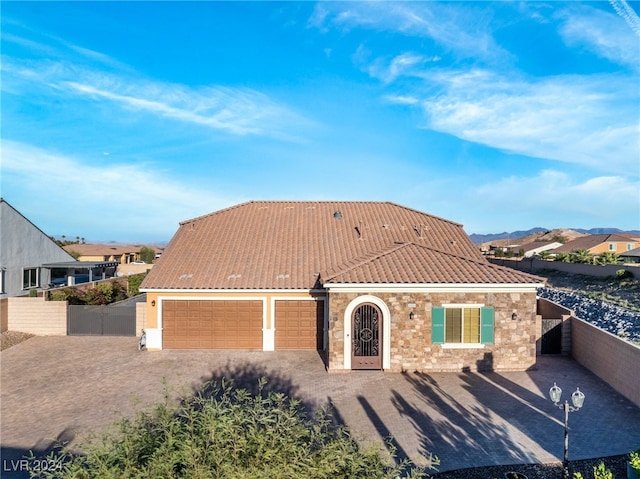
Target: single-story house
(373, 285)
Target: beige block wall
(609, 357)
(141, 317)
(36, 316)
(411, 348)
(4, 317)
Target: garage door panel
(210, 324)
(299, 324)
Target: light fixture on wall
(153, 302)
(412, 315)
(514, 316)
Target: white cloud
(586, 120)
(464, 30)
(105, 199)
(237, 111)
(603, 33)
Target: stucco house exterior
(372, 285)
(24, 249)
(603, 243)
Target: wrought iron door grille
(366, 340)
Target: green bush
(70, 294)
(135, 280)
(230, 433)
(634, 460)
(601, 472)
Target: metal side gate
(118, 319)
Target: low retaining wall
(37, 316)
(530, 265)
(612, 359)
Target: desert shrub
(70, 294)
(623, 274)
(99, 295)
(118, 292)
(229, 433)
(602, 472)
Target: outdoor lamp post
(577, 398)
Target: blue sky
(121, 119)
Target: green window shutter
(437, 325)
(486, 325)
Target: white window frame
(613, 246)
(462, 307)
(33, 282)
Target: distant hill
(542, 234)
(479, 238)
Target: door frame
(386, 328)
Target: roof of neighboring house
(87, 249)
(536, 245)
(289, 244)
(632, 253)
(591, 241)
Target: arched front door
(366, 351)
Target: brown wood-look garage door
(208, 324)
(299, 324)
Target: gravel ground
(11, 338)
(617, 465)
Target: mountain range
(539, 231)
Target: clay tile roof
(287, 244)
(412, 263)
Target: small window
(629, 246)
(612, 246)
(29, 278)
(462, 325)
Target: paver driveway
(64, 387)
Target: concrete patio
(62, 388)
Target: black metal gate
(112, 320)
(551, 336)
(367, 333)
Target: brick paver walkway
(65, 387)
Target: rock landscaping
(614, 319)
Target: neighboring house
(24, 249)
(536, 247)
(28, 258)
(101, 252)
(596, 244)
(373, 284)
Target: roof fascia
(235, 290)
(434, 288)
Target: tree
(147, 254)
(226, 432)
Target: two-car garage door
(202, 324)
(237, 324)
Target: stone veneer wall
(514, 347)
